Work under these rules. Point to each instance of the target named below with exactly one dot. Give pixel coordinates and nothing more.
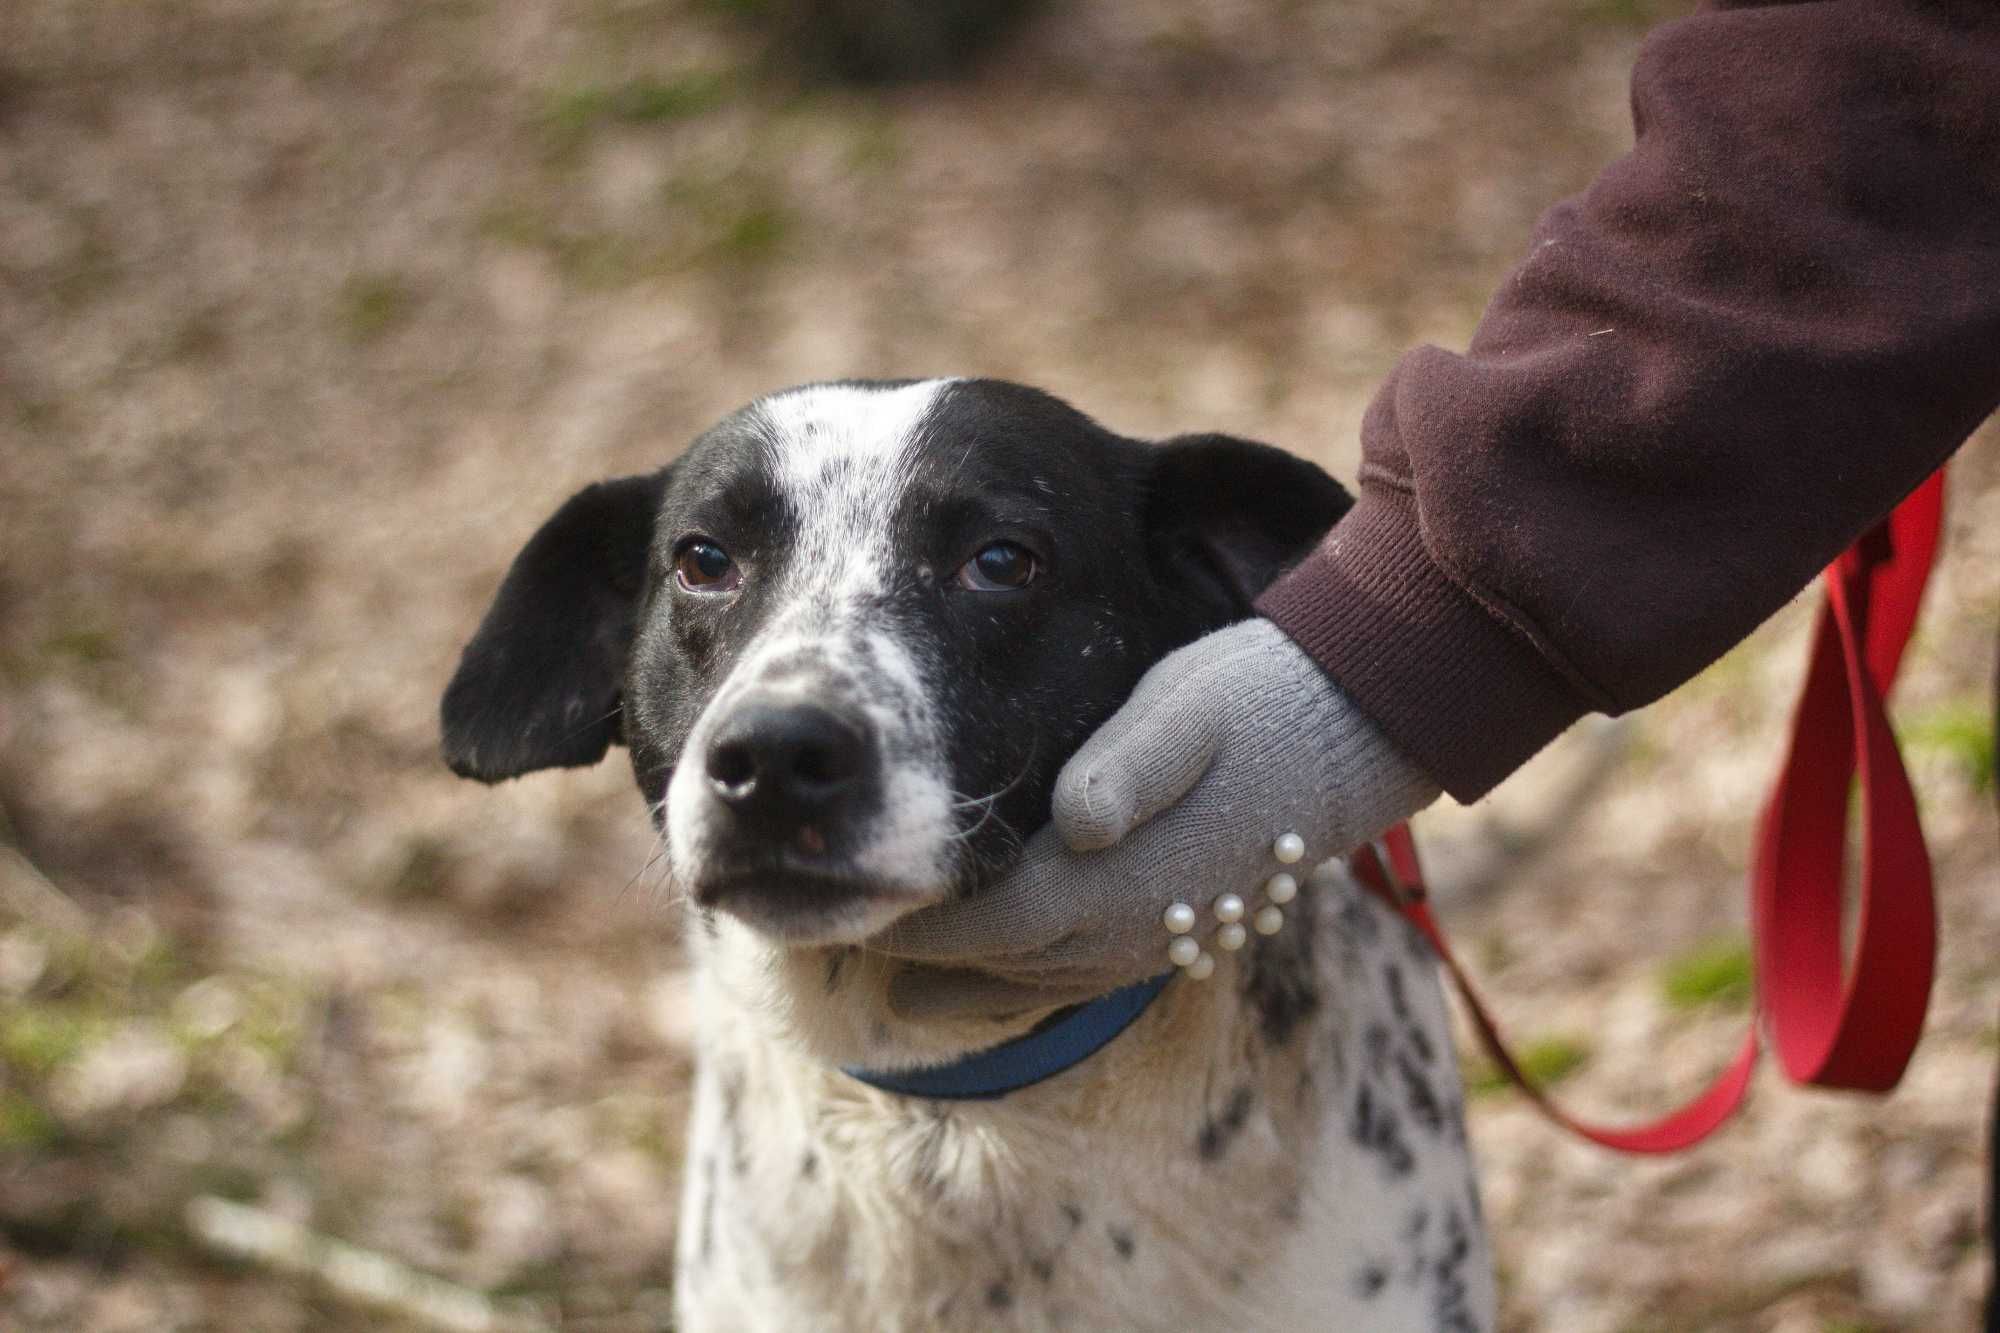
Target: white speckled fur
(1085, 1202)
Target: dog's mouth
(803, 900)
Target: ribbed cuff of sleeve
(1462, 694)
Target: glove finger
(1035, 903)
(929, 994)
(1147, 756)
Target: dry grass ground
(309, 312)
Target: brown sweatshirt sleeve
(1735, 351)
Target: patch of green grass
(24, 1125)
(39, 1039)
(570, 116)
(875, 146)
(1546, 1061)
(592, 259)
(81, 646)
(373, 305)
(754, 233)
(1962, 730)
(1714, 973)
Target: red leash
(1833, 1027)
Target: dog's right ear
(538, 686)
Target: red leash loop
(1833, 1027)
(1855, 1032)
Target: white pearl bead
(1179, 919)
(1230, 937)
(1281, 888)
(1202, 968)
(1269, 921)
(1183, 951)
(1228, 908)
(1290, 848)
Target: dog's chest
(1279, 1148)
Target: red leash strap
(1833, 1027)
(1855, 1032)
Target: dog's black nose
(786, 764)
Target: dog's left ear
(1230, 515)
(538, 686)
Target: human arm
(1733, 353)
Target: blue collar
(1067, 1039)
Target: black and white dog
(850, 638)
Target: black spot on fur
(1377, 1043)
(1421, 1045)
(809, 1165)
(1217, 1134)
(1368, 1283)
(1419, 1222)
(1357, 920)
(1043, 1267)
(1376, 1128)
(1121, 1241)
(834, 964)
(1399, 999)
(999, 1296)
(1419, 1096)
(1399, 1004)
(1074, 1214)
(1448, 1287)
(1281, 982)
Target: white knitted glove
(1227, 745)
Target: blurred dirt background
(309, 312)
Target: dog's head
(852, 634)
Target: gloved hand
(1227, 746)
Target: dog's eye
(702, 566)
(1001, 567)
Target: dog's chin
(804, 905)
